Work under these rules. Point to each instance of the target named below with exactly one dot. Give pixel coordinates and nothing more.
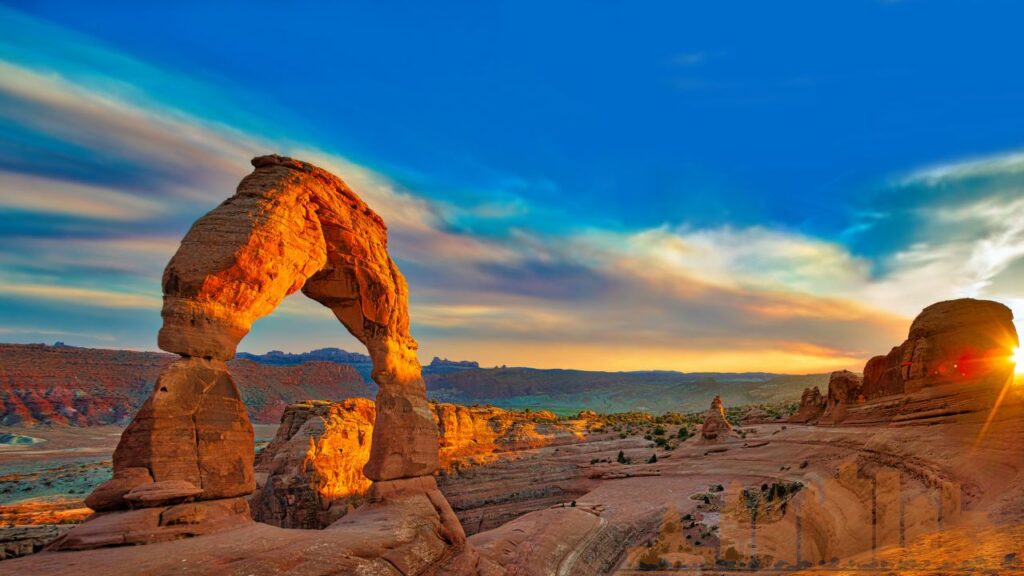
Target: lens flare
(1018, 359)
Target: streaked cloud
(81, 296)
(27, 193)
(1006, 164)
(107, 176)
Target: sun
(1018, 359)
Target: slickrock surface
(64, 385)
(953, 494)
(311, 474)
(715, 426)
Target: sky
(727, 186)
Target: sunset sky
(775, 186)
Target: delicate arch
(289, 226)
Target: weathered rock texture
(311, 474)
(812, 404)
(715, 426)
(289, 226)
(844, 389)
(957, 358)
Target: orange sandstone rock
(715, 426)
(311, 474)
(844, 388)
(956, 359)
(289, 226)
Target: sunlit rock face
(311, 474)
(289, 226)
(292, 226)
(955, 342)
(956, 359)
(715, 426)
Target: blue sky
(722, 186)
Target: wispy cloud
(41, 195)
(81, 296)
(110, 177)
(1005, 164)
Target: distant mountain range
(569, 391)
(361, 362)
(65, 385)
(42, 384)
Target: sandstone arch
(289, 226)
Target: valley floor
(784, 499)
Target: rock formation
(957, 341)
(844, 389)
(812, 404)
(956, 359)
(715, 426)
(289, 226)
(311, 474)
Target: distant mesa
(446, 363)
(279, 358)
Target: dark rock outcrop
(812, 404)
(844, 389)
